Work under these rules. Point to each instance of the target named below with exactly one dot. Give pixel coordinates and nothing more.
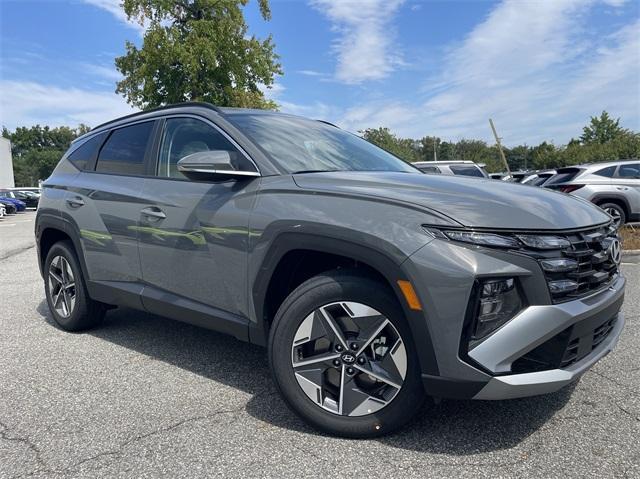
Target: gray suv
(614, 186)
(371, 284)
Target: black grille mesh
(596, 269)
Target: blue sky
(420, 67)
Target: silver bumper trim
(531, 384)
(536, 324)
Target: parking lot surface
(146, 397)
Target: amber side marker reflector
(410, 294)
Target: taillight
(569, 188)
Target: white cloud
(311, 73)
(30, 103)
(108, 73)
(365, 44)
(533, 68)
(114, 7)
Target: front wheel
(616, 212)
(342, 356)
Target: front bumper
(542, 382)
(492, 370)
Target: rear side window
(629, 171)
(465, 170)
(606, 172)
(83, 156)
(432, 170)
(125, 149)
(564, 175)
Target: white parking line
(10, 224)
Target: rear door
(193, 235)
(627, 181)
(104, 203)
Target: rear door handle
(75, 202)
(153, 213)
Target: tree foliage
(37, 150)
(602, 140)
(196, 50)
(602, 129)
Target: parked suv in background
(460, 168)
(614, 186)
(371, 283)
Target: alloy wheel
(615, 214)
(62, 286)
(349, 359)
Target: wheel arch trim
(380, 261)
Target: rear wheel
(342, 356)
(616, 211)
(67, 297)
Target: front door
(193, 236)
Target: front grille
(595, 268)
(565, 348)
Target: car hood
(472, 202)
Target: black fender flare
(45, 221)
(382, 262)
(616, 197)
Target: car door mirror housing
(211, 165)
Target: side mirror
(211, 164)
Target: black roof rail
(329, 123)
(160, 108)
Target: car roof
(191, 105)
(444, 163)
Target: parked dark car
(28, 198)
(19, 204)
(10, 207)
(371, 284)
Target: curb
(631, 252)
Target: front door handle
(75, 202)
(153, 213)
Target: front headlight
(497, 302)
(482, 239)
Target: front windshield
(300, 145)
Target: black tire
(322, 290)
(85, 313)
(614, 207)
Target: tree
(602, 130)
(37, 150)
(196, 50)
(403, 148)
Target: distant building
(6, 164)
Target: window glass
(433, 170)
(465, 170)
(564, 175)
(185, 136)
(84, 154)
(629, 171)
(125, 149)
(301, 145)
(606, 172)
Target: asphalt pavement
(148, 397)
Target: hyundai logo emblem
(615, 251)
(348, 358)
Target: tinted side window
(85, 153)
(125, 149)
(606, 172)
(629, 171)
(434, 170)
(466, 170)
(185, 136)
